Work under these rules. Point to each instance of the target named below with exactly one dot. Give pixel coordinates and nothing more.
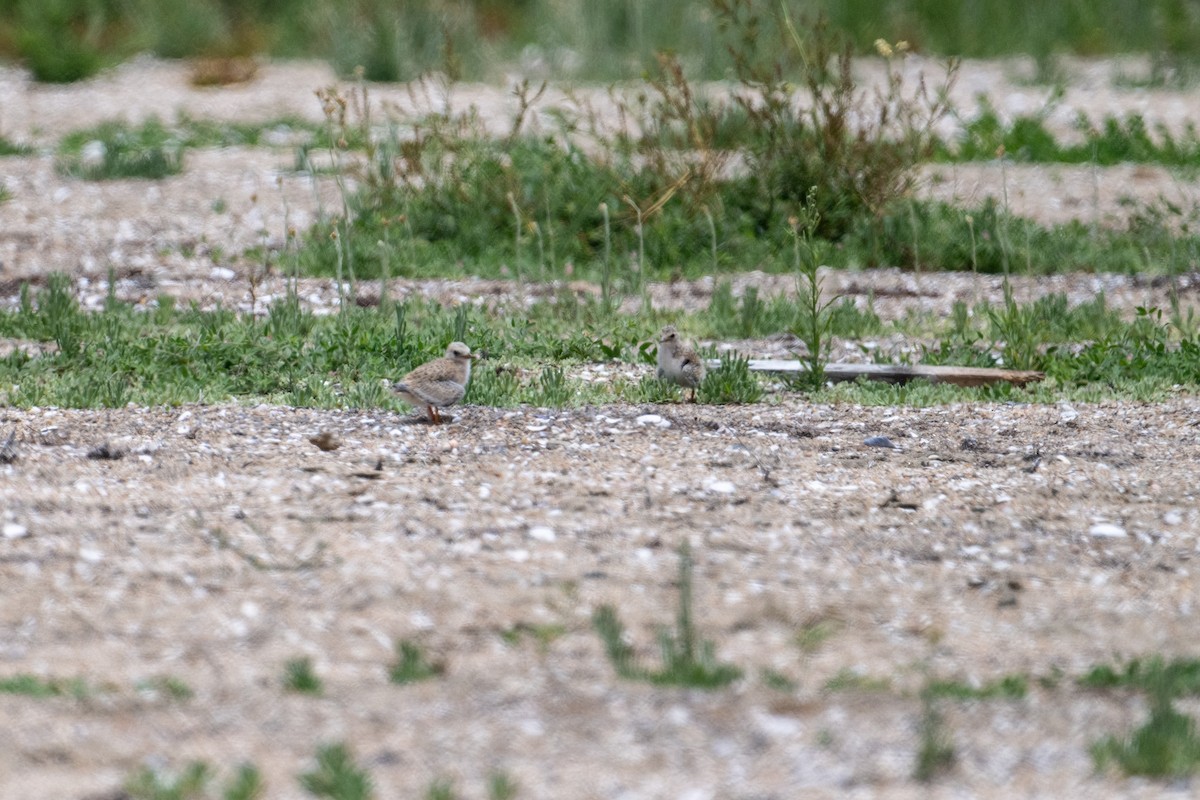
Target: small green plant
(299, 676)
(411, 665)
(686, 660)
(191, 782)
(813, 318)
(33, 686)
(1010, 687)
(848, 680)
(935, 753)
(166, 686)
(336, 776)
(813, 634)
(440, 789)
(247, 784)
(502, 786)
(554, 390)
(652, 389)
(731, 382)
(114, 150)
(1166, 746)
(778, 681)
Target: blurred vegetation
(66, 40)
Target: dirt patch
(220, 542)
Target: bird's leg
(433, 415)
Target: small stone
(653, 419)
(1172, 518)
(719, 487)
(878, 441)
(1067, 414)
(542, 533)
(222, 274)
(1106, 530)
(12, 530)
(91, 555)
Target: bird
(677, 362)
(438, 383)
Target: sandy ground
(994, 540)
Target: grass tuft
(686, 660)
(336, 776)
(299, 676)
(411, 664)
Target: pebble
(1106, 530)
(542, 533)
(13, 530)
(653, 419)
(878, 441)
(719, 487)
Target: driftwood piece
(901, 373)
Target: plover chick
(677, 362)
(438, 383)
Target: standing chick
(677, 362)
(438, 383)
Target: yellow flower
(883, 48)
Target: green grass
(166, 686)
(170, 355)
(936, 753)
(299, 676)
(1166, 746)
(686, 659)
(412, 665)
(114, 150)
(33, 686)
(336, 776)
(1010, 687)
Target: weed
(411, 665)
(848, 680)
(1010, 687)
(652, 389)
(686, 661)
(812, 635)
(114, 150)
(440, 789)
(246, 784)
(543, 634)
(166, 686)
(337, 776)
(554, 390)
(1153, 675)
(33, 686)
(731, 382)
(11, 148)
(935, 753)
(778, 681)
(299, 676)
(1167, 745)
(813, 322)
(191, 782)
(502, 786)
